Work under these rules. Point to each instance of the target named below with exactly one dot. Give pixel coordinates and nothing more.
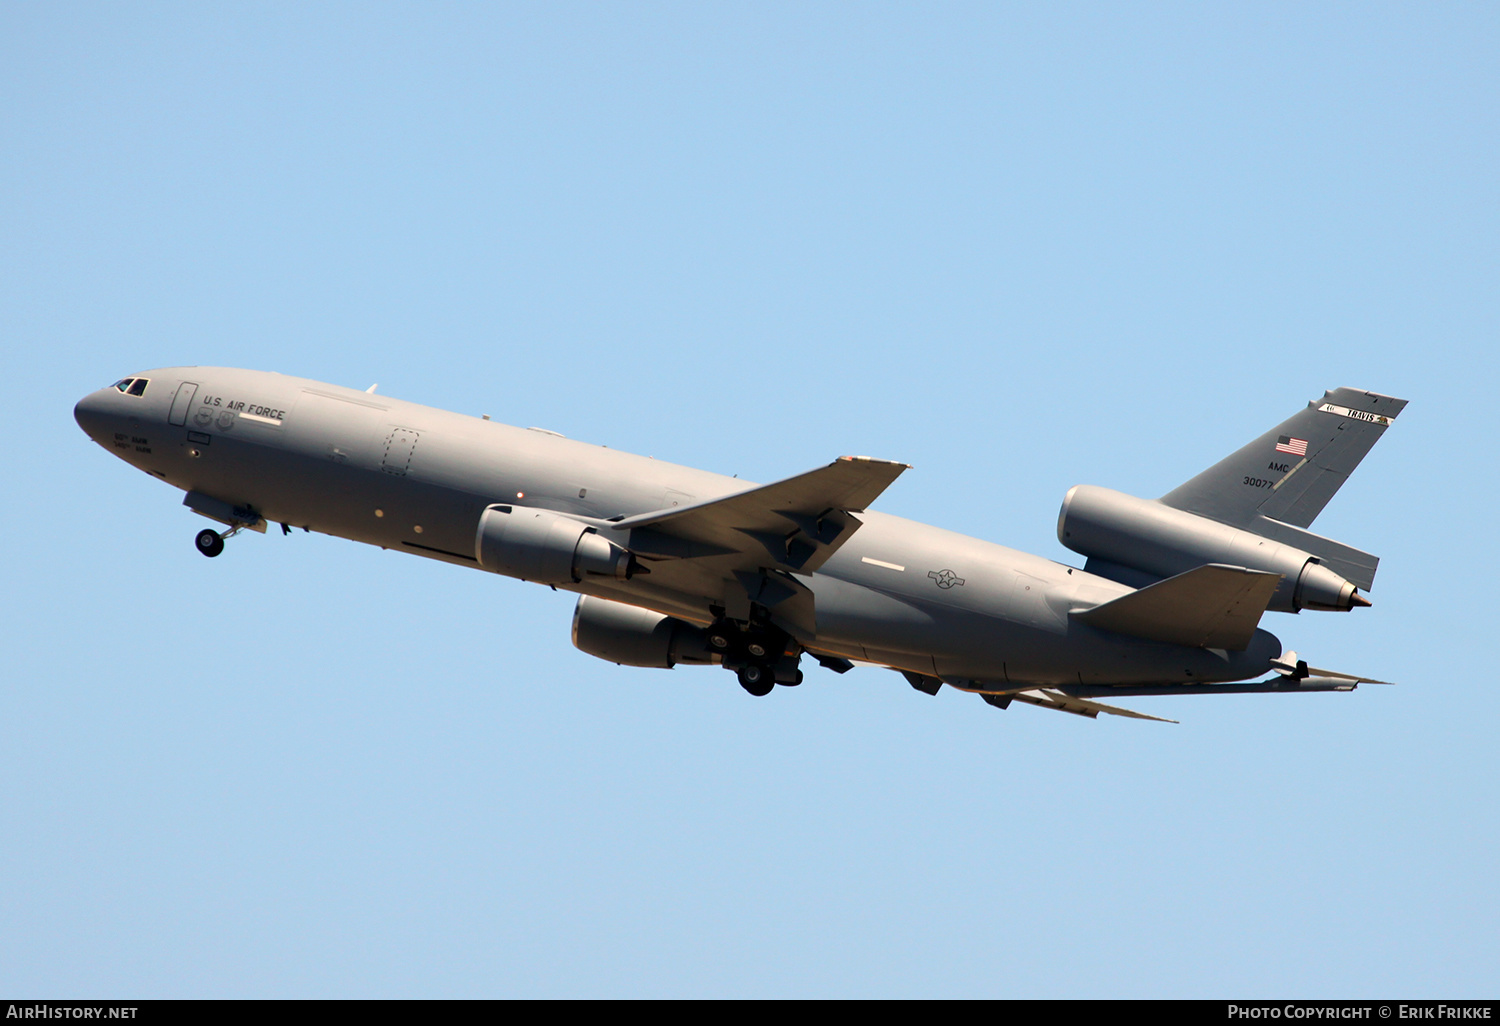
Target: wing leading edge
(1047, 698)
(794, 525)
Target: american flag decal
(1295, 446)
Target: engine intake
(1156, 539)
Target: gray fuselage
(417, 479)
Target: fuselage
(416, 479)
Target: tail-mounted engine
(1155, 539)
(548, 548)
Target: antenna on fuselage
(372, 388)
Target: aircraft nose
(92, 414)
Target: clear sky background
(1019, 247)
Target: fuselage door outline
(182, 402)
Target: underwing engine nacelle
(1156, 539)
(631, 636)
(548, 548)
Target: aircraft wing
(791, 525)
(1050, 699)
(1079, 699)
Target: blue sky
(1019, 247)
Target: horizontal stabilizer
(1213, 606)
(1298, 670)
(1354, 566)
(1281, 683)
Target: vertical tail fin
(1278, 484)
(1290, 472)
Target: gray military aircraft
(674, 565)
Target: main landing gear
(756, 679)
(761, 654)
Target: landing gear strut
(761, 654)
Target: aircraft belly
(855, 618)
(293, 486)
(892, 629)
(244, 472)
(1085, 655)
(906, 587)
(981, 611)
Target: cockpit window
(132, 386)
(122, 384)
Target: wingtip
(873, 459)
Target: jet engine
(545, 547)
(632, 636)
(1116, 530)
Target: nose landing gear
(239, 517)
(211, 542)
